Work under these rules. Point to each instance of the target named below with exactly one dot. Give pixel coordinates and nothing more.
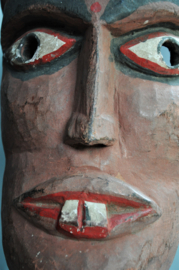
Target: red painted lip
(126, 208)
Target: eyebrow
(148, 16)
(72, 8)
(119, 9)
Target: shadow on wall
(3, 265)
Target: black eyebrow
(119, 9)
(72, 8)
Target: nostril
(82, 147)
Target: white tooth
(95, 214)
(69, 214)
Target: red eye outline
(69, 42)
(145, 63)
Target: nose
(92, 121)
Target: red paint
(80, 213)
(43, 212)
(96, 7)
(82, 231)
(128, 217)
(69, 42)
(125, 49)
(86, 232)
(60, 197)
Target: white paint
(96, 214)
(48, 44)
(69, 212)
(147, 21)
(38, 254)
(148, 50)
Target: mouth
(87, 206)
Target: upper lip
(127, 208)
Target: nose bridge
(92, 121)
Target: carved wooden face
(90, 119)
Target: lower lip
(95, 232)
(101, 232)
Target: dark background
(3, 265)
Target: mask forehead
(113, 10)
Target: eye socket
(38, 47)
(147, 52)
(173, 50)
(28, 46)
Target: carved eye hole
(147, 52)
(172, 52)
(38, 47)
(28, 47)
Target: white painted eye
(38, 46)
(146, 52)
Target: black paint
(74, 8)
(119, 9)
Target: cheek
(149, 116)
(166, 131)
(37, 110)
